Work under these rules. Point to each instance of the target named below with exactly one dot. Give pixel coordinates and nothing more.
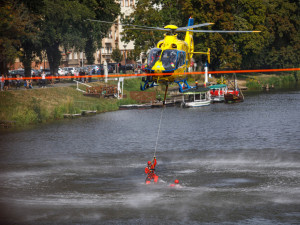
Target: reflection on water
(237, 164)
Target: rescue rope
(161, 114)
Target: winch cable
(161, 114)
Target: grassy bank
(286, 80)
(41, 105)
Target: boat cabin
(217, 92)
(197, 97)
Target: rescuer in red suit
(149, 170)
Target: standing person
(9, 81)
(81, 76)
(191, 66)
(98, 74)
(149, 170)
(195, 66)
(43, 79)
(6, 83)
(18, 82)
(2, 81)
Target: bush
(253, 84)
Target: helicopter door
(153, 56)
(181, 59)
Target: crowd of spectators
(16, 80)
(9, 82)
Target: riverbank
(42, 105)
(20, 108)
(272, 81)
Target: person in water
(176, 183)
(149, 170)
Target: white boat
(196, 97)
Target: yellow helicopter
(171, 58)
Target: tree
(31, 43)
(104, 10)
(116, 55)
(14, 18)
(277, 44)
(61, 26)
(65, 24)
(283, 22)
(231, 50)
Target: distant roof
(217, 86)
(196, 90)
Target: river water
(236, 163)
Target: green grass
(278, 81)
(44, 105)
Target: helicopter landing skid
(148, 85)
(183, 85)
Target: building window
(121, 3)
(131, 2)
(126, 3)
(75, 55)
(70, 56)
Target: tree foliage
(277, 45)
(283, 22)
(14, 18)
(116, 55)
(230, 50)
(31, 42)
(30, 26)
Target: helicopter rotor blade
(225, 31)
(194, 26)
(146, 29)
(101, 21)
(180, 29)
(124, 24)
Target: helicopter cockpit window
(181, 59)
(169, 58)
(153, 56)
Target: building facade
(109, 43)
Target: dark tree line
(276, 46)
(30, 27)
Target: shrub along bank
(24, 107)
(276, 81)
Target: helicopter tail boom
(190, 41)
